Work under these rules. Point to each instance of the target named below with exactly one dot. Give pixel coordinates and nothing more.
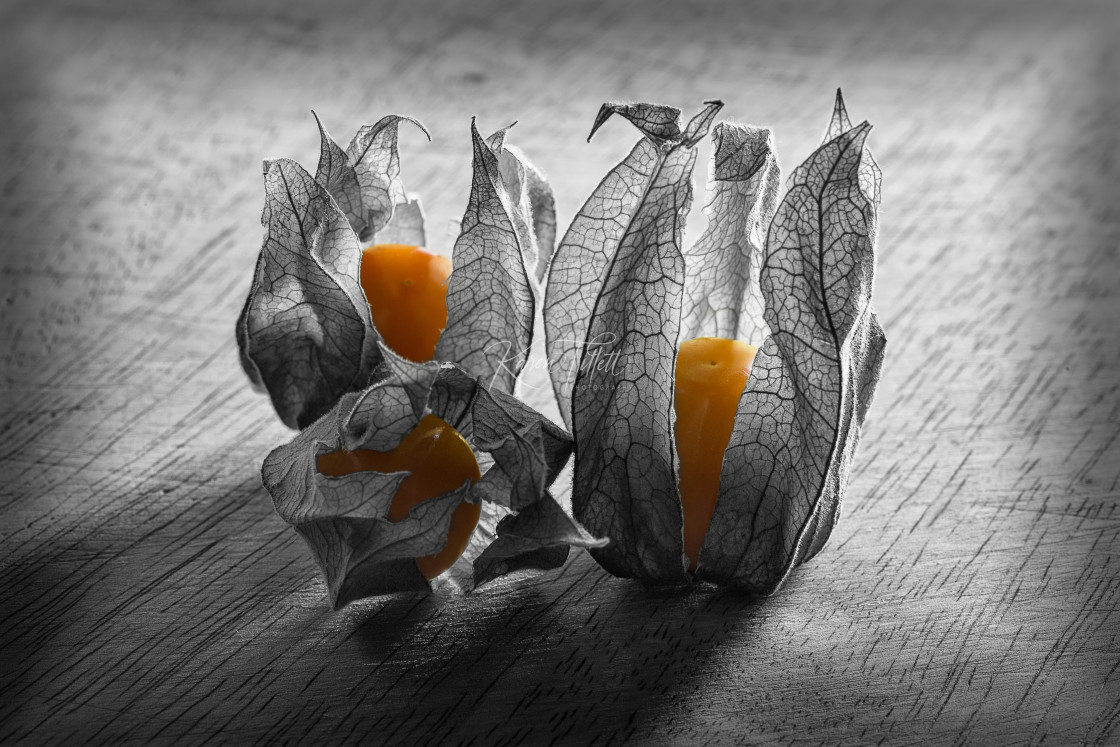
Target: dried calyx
(306, 333)
(793, 278)
(361, 549)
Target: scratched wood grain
(149, 592)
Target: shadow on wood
(529, 658)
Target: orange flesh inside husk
(406, 288)
(711, 374)
(439, 460)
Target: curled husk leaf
(793, 277)
(345, 519)
(305, 333)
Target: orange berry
(439, 460)
(406, 288)
(711, 374)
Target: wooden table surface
(148, 590)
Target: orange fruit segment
(406, 288)
(439, 460)
(711, 374)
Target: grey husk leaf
(722, 295)
(305, 333)
(406, 226)
(531, 206)
(624, 486)
(799, 417)
(369, 174)
(579, 265)
(543, 206)
(538, 538)
(490, 300)
(870, 176)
